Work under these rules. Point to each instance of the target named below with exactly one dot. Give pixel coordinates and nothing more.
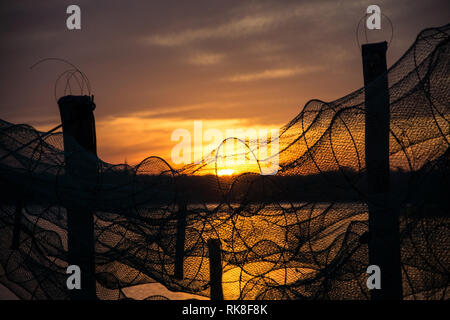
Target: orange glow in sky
(243, 65)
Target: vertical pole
(384, 243)
(215, 269)
(79, 128)
(181, 235)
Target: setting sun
(225, 172)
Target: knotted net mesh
(299, 234)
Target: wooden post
(181, 235)
(79, 128)
(215, 269)
(384, 243)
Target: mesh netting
(299, 234)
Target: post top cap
(77, 100)
(374, 46)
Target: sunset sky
(156, 66)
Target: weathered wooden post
(215, 269)
(181, 235)
(79, 128)
(384, 242)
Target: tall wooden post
(79, 131)
(384, 243)
(215, 269)
(181, 235)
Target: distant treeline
(340, 186)
(430, 187)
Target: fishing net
(298, 234)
